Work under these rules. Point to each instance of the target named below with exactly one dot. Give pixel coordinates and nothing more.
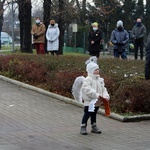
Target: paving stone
(33, 121)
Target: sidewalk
(33, 121)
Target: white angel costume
(76, 88)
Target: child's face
(96, 72)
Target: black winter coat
(96, 37)
(147, 63)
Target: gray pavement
(30, 120)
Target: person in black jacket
(147, 63)
(94, 38)
(138, 33)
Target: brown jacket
(40, 31)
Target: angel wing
(76, 88)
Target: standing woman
(52, 36)
(38, 32)
(94, 38)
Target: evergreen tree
(139, 9)
(128, 14)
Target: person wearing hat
(138, 34)
(93, 89)
(120, 38)
(94, 38)
(38, 32)
(52, 36)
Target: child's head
(92, 68)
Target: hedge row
(124, 79)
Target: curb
(76, 103)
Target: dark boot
(95, 129)
(83, 129)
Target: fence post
(84, 42)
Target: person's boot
(95, 129)
(83, 129)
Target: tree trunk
(1, 18)
(25, 26)
(60, 23)
(46, 19)
(1, 24)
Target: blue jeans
(118, 54)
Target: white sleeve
(88, 90)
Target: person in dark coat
(147, 63)
(120, 38)
(138, 34)
(94, 38)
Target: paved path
(32, 121)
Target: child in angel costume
(93, 91)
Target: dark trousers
(91, 115)
(54, 52)
(138, 43)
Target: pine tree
(128, 14)
(139, 9)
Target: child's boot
(83, 129)
(95, 129)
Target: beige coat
(40, 31)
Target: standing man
(38, 32)
(119, 38)
(138, 33)
(94, 38)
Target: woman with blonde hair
(94, 38)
